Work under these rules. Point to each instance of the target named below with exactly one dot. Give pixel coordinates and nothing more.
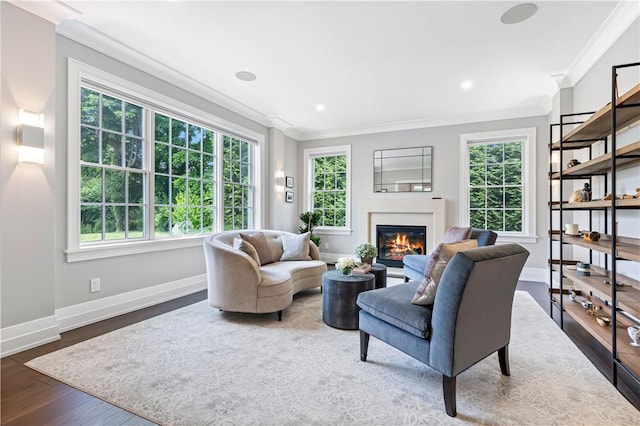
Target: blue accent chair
(469, 320)
(414, 264)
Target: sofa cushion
(259, 242)
(248, 248)
(430, 283)
(390, 305)
(295, 247)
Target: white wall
(40, 289)
(446, 174)
(27, 191)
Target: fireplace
(396, 241)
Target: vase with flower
(345, 265)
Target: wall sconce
(279, 181)
(30, 137)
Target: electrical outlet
(95, 285)
(326, 246)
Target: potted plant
(366, 252)
(309, 221)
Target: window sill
(525, 239)
(130, 248)
(332, 231)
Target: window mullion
(149, 166)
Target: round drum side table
(339, 294)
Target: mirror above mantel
(402, 170)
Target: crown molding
(54, 11)
(620, 19)
(279, 123)
(476, 117)
(87, 36)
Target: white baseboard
(86, 313)
(28, 335)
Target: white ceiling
(374, 65)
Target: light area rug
(200, 366)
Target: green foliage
(310, 220)
(366, 250)
(330, 189)
(495, 186)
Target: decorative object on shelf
(310, 220)
(571, 229)
(603, 321)
(576, 196)
(586, 304)
(345, 265)
(288, 182)
(572, 293)
(608, 197)
(585, 194)
(592, 236)
(634, 333)
(366, 252)
(593, 310)
(583, 268)
(572, 162)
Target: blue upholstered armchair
(469, 320)
(414, 264)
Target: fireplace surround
(418, 211)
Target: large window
(498, 185)
(146, 169)
(112, 202)
(327, 186)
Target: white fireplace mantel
(404, 211)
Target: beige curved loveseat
(237, 283)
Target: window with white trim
(498, 182)
(328, 187)
(144, 168)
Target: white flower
(345, 262)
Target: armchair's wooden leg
(280, 315)
(449, 391)
(406, 279)
(503, 356)
(364, 345)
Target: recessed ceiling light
(467, 84)
(320, 107)
(245, 76)
(519, 13)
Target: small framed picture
(288, 182)
(288, 197)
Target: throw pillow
(296, 247)
(430, 283)
(242, 245)
(258, 240)
(455, 234)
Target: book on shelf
(362, 269)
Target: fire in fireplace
(396, 241)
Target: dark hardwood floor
(30, 398)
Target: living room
(46, 269)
